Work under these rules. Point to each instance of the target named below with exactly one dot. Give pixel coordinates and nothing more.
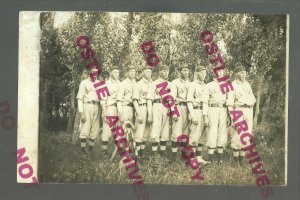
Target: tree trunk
(76, 129)
(73, 100)
(265, 109)
(43, 121)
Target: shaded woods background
(257, 42)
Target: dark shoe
(141, 153)
(92, 155)
(235, 162)
(241, 161)
(211, 158)
(105, 154)
(140, 162)
(173, 157)
(219, 158)
(83, 150)
(163, 153)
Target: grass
(62, 162)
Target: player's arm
(205, 107)
(252, 97)
(150, 97)
(120, 96)
(80, 97)
(174, 91)
(189, 99)
(230, 103)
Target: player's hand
(150, 119)
(232, 124)
(121, 118)
(174, 118)
(195, 120)
(82, 118)
(104, 117)
(228, 121)
(140, 118)
(206, 121)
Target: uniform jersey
(125, 91)
(241, 95)
(140, 90)
(215, 93)
(180, 89)
(197, 94)
(111, 99)
(87, 91)
(153, 93)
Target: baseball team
(203, 112)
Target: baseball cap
(239, 69)
(200, 68)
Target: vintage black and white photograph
(157, 98)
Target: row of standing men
(200, 106)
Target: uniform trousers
(160, 126)
(248, 117)
(91, 127)
(142, 130)
(217, 131)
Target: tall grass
(62, 162)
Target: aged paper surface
(28, 92)
(62, 124)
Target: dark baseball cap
(130, 67)
(113, 68)
(200, 68)
(183, 66)
(146, 67)
(239, 69)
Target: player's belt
(182, 103)
(198, 107)
(243, 106)
(115, 104)
(143, 104)
(93, 102)
(157, 101)
(220, 105)
(129, 104)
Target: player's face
(93, 73)
(201, 75)
(147, 74)
(184, 73)
(164, 74)
(131, 74)
(115, 74)
(242, 75)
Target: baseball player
(217, 117)
(109, 106)
(180, 124)
(89, 109)
(157, 113)
(197, 100)
(124, 96)
(140, 93)
(243, 99)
